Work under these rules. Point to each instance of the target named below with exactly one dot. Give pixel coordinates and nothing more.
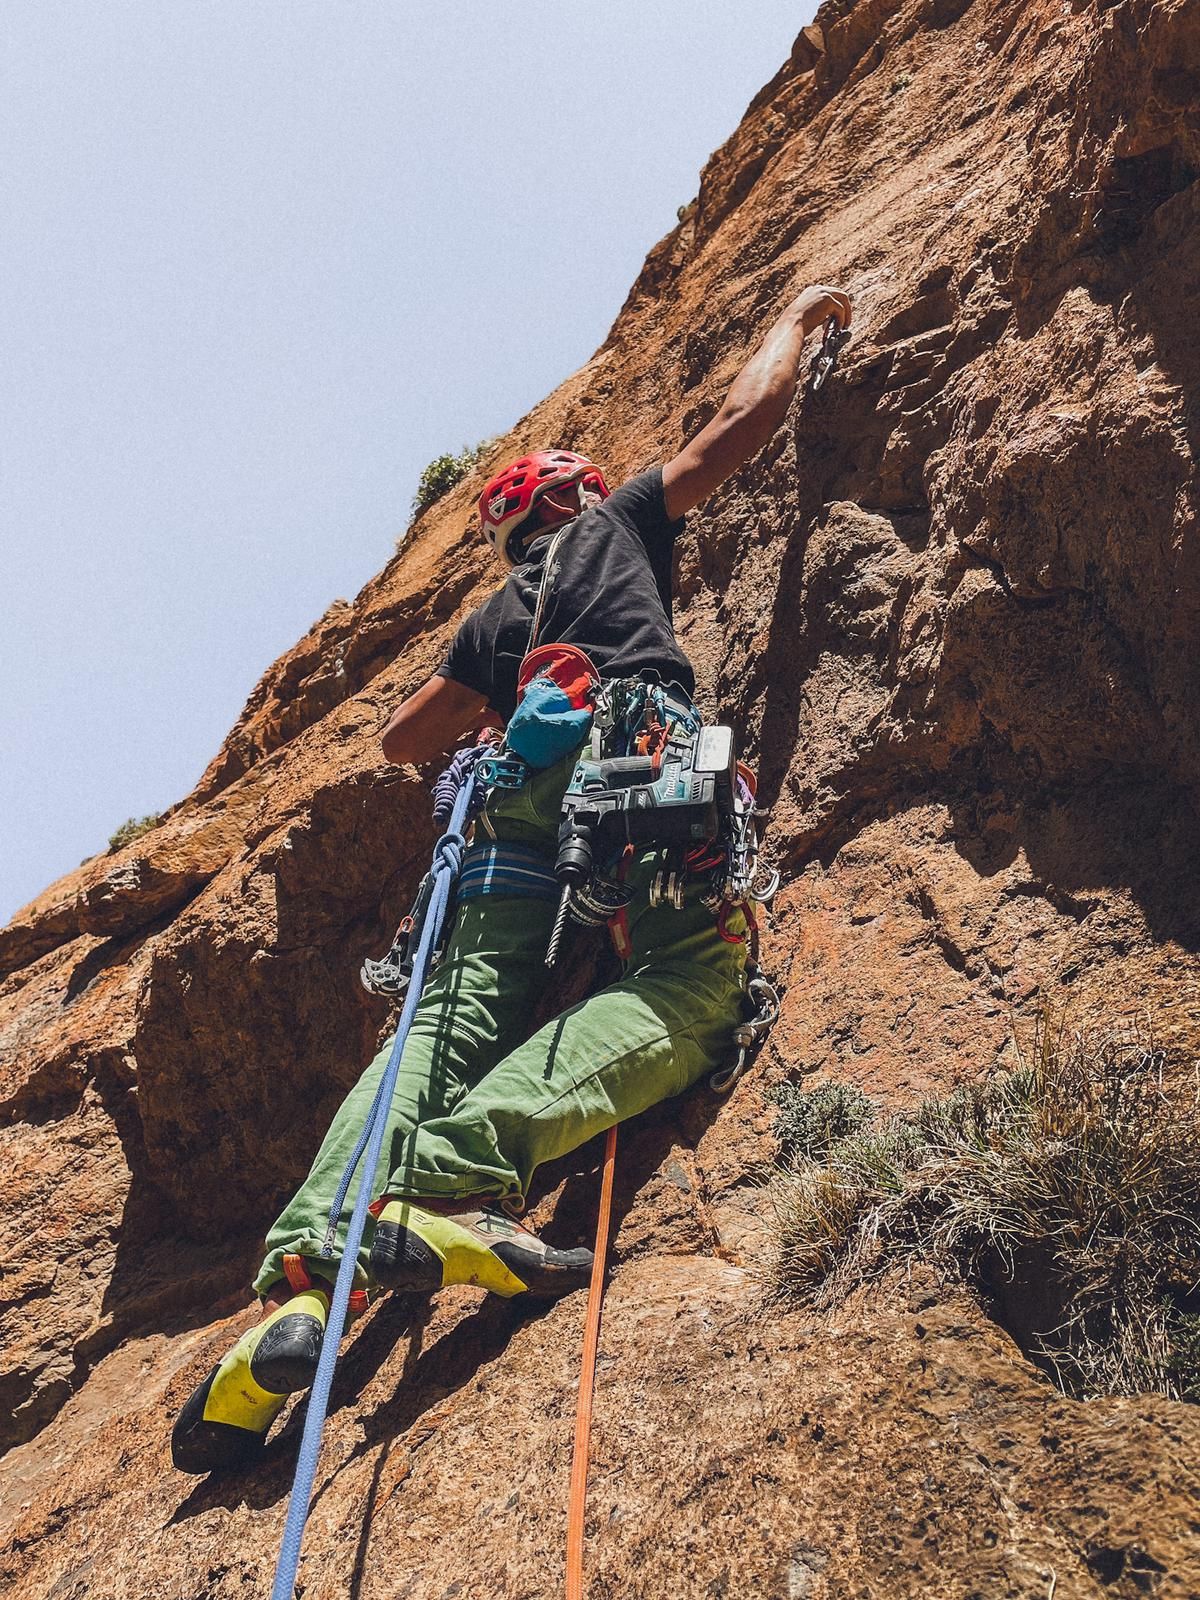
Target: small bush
(133, 828)
(902, 81)
(1068, 1191)
(808, 1122)
(443, 472)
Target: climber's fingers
(819, 302)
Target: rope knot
(448, 852)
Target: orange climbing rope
(587, 1380)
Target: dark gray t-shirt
(611, 597)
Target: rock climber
(478, 1105)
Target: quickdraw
(749, 1034)
(737, 886)
(392, 973)
(826, 359)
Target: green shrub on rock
(808, 1122)
(443, 472)
(133, 828)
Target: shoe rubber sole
(226, 1418)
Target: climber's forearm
(432, 721)
(762, 391)
(755, 405)
(757, 402)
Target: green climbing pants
(479, 1106)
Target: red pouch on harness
(567, 666)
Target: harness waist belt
(512, 869)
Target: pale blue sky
(259, 262)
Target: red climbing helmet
(510, 498)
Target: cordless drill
(677, 796)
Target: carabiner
(770, 889)
(834, 337)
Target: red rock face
(953, 608)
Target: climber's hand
(816, 304)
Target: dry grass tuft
(1067, 1191)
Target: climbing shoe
(225, 1421)
(424, 1250)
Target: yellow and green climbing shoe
(418, 1249)
(225, 1421)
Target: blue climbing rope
(447, 858)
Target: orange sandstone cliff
(953, 608)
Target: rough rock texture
(953, 607)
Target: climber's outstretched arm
(755, 405)
(431, 722)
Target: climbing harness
(826, 359)
(506, 868)
(447, 857)
(577, 1499)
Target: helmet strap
(533, 527)
(565, 512)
